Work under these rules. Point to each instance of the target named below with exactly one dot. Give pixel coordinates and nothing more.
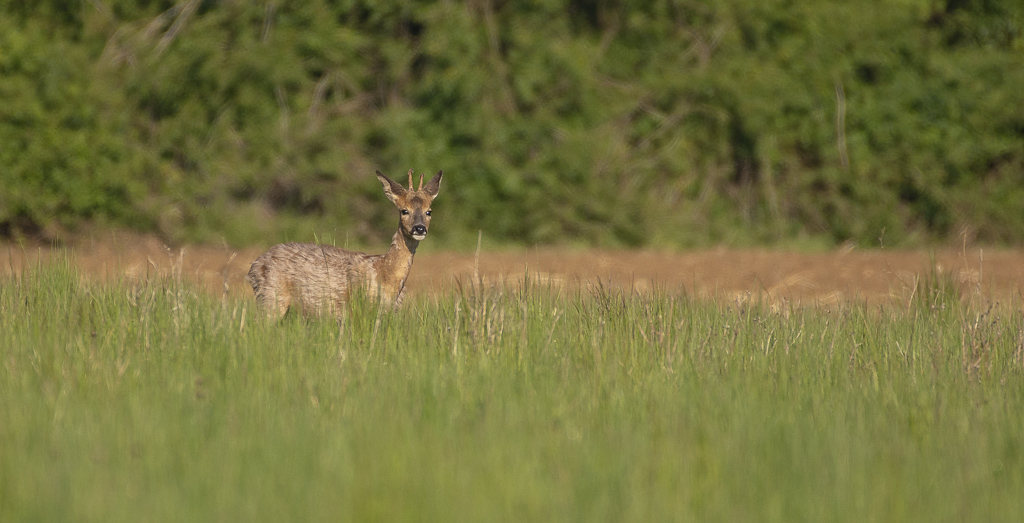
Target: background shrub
(641, 123)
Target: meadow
(148, 399)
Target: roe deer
(318, 279)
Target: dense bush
(636, 123)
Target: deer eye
(405, 212)
(428, 213)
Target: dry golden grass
(877, 276)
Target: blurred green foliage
(665, 123)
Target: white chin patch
(419, 237)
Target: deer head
(413, 205)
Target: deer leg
(276, 304)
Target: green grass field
(152, 401)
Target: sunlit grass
(152, 401)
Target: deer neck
(394, 266)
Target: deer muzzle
(419, 232)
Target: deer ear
(391, 189)
(433, 185)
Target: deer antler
(410, 179)
(421, 183)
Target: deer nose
(419, 230)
